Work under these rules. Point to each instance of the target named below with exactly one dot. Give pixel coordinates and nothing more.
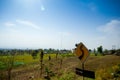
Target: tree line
(31, 51)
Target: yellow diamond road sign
(82, 52)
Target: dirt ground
(68, 64)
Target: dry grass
(101, 65)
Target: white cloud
(112, 27)
(110, 33)
(28, 23)
(9, 24)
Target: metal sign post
(83, 70)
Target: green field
(25, 59)
(62, 68)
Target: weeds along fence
(7, 64)
(12, 62)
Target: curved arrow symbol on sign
(81, 56)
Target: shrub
(109, 73)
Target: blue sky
(59, 24)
